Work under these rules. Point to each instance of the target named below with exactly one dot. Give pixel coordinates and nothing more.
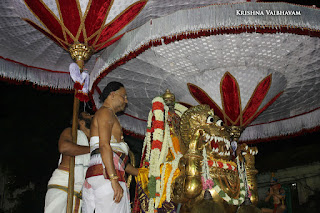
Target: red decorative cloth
(232, 112)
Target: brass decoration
(200, 129)
(248, 209)
(173, 118)
(169, 98)
(251, 174)
(195, 119)
(80, 52)
(235, 132)
(248, 156)
(228, 181)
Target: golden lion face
(215, 135)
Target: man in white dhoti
(105, 188)
(56, 197)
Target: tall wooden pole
(79, 53)
(76, 104)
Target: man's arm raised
(105, 121)
(67, 147)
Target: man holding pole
(105, 188)
(56, 197)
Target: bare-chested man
(56, 197)
(105, 188)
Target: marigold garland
(157, 144)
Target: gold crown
(168, 95)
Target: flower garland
(147, 140)
(151, 206)
(163, 155)
(157, 144)
(243, 176)
(207, 182)
(179, 110)
(224, 195)
(175, 164)
(166, 137)
(249, 192)
(156, 127)
(163, 171)
(227, 198)
(222, 164)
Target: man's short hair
(111, 87)
(80, 117)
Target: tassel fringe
(16, 73)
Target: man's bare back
(67, 148)
(56, 196)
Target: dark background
(32, 120)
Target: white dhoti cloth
(97, 191)
(56, 196)
(98, 197)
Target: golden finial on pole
(79, 53)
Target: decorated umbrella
(38, 51)
(257, 71)
(256, 64)
(38, 36)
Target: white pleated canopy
(173, 44)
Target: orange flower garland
(158, 145)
